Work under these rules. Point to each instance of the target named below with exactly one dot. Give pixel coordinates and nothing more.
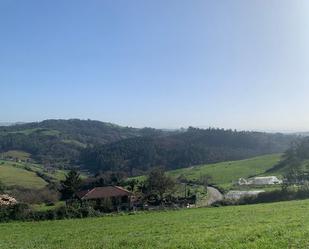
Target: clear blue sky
(161, 63)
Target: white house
(265, 180)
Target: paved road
(213, 195)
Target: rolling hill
(28, 175)
(58, 143)
(182, 150)
(224, 174)
(98, 146)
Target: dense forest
(99, 146)
(183, 149)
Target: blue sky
(161, 63)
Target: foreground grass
(279, 225)
(225, 173)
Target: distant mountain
(302, 134)
(10, 123)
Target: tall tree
(70, 185)
(158, 183)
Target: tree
(132, 184)
(70, 185)
(158, 183)
(204, 181)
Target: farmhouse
(118, 197)
(266, 180)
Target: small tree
(132, 183)
(70, 185)
(204, 181)
(158, 183)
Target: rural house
(117, 198)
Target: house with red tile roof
(116, 197)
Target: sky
(159, 63)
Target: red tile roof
(103, 192)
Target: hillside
(58, 143)
(276, 225)
(99, 146)
(295, 159)
(27, 175)
(183, 149)
(224, 174)
(12, 174)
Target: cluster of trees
(181, 149)
(294, 162)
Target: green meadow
(25, 174)
(269, 226)
(225, 173)
(11, 174)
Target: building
(265, 180)
(236, 195)
(117, 198)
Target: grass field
(20, 155)
(24, 174)
(269, 226)
(11, 175)
(225, 173)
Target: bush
(23, 212)
(35, 196)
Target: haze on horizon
(164, 64)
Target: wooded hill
(59, 142)
(99, 146)
(183, 149)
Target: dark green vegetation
(269, 226)
(182, 149)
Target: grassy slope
(269, 226)
(223, 174)
(11, 175)
(21, 155)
